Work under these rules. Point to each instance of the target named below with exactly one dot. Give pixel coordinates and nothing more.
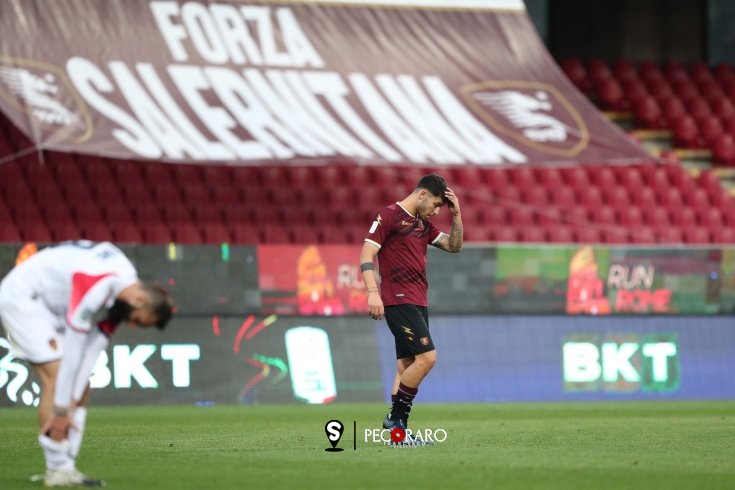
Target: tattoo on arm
(453, 241)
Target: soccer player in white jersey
(59, 308)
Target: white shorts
(34, 333)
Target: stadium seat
(711, 218)
(560, 234)
(656, 217)
(531, 234)
(684, 217)
(648, 113)
(332, 234)
(186, 232)
(117, 213)
(271, 233)
(686, 133)
(57, 212)
(35, 231)
(522, 216)
(303, 234)
(97, 231)
(616, 235)
(562, 197)
(586, 234)
(244, 234)
(643, 234)
(669, 235)
(9, 233)
(504, 234)
(631, 217)
(127, 232)
(216, 233)
(697, 235)
(98, 171)
(63, 231)
(156, 233)
(590, 197)
(724, 235)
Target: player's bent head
(145, 304)
(160, 304)
(435, 184)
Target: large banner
(412, 82)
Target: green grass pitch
(626, 445)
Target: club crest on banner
(535, 114)
(45, 94)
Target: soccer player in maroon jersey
(399, 237)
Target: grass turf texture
(631, 445)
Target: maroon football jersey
(403, 240)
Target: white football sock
(56, 453)
(76, 432)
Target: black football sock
(403, 403)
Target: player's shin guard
(56, 453)
(76, 432)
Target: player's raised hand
(452, 201)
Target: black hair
(435, 184)
(161, 304)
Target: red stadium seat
(127, 232)
(215, 233)
(35, 231)
(697, 235)
(686, 133)
(304, 234)
(684, 217)
(631, 217)
(9, 233)
(656, 217)
(244, 233)
(643, 234)
(271, 233)
(711, 218)
(156, 233)
(522, 216)
(590, 197)
(587, 235)
(725, 235)
(560, 234)
(710, 129)
(670, 235)
(63, 231)
(563, 197)
(477, 234)
(187, 233)
(504, 234)
(531, 234)
(97, 231)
